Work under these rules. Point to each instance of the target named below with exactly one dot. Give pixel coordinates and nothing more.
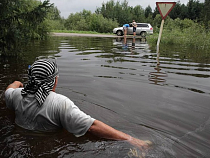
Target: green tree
(176, 11)
(54, 13)
(86, 21)
(184, 12)
(155, 12)
(137, 14)
(148, 11)
(21, 21)
(100, 24)
(157, 21)
(70, 23)
(54, 20)
(205, 15)
(178, 24)
(107, 9)
(194, 9)
(121, 12)
(125, 14)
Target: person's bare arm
(15, 84)
(102, 130)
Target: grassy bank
(185, 33)
(188, 38)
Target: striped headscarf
(41, 79)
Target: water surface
(162, 97)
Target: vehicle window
(142, 25)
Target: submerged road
(92, 35)
(79, 34)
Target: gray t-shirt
(56, 112)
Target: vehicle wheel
(143, 34)
(119, 33)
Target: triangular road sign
(165, 8)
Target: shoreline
(91, 35)
(81, 34)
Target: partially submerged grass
(195, 38)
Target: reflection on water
(159, 97)
(158, 77)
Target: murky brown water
(164, 98)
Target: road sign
(165, 8)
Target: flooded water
(162, 97)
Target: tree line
(24, 20)
(123, 13)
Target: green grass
(189, 38)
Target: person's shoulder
(61, 100)
(12, 95)
(56, 100)
(9, 90)
(13, 90)
(58, 96)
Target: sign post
(164, 9)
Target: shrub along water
(22, 21)
(185, 33)
(87, 21)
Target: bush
(87, 21)
(186, 33)
(21, 21)
(100, 24)
(178, 24)
(55, 24)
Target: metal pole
(160, 33)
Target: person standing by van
(134, 27)
(125, 28)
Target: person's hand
(15, 84)
(142, 145)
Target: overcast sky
(67, 7)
